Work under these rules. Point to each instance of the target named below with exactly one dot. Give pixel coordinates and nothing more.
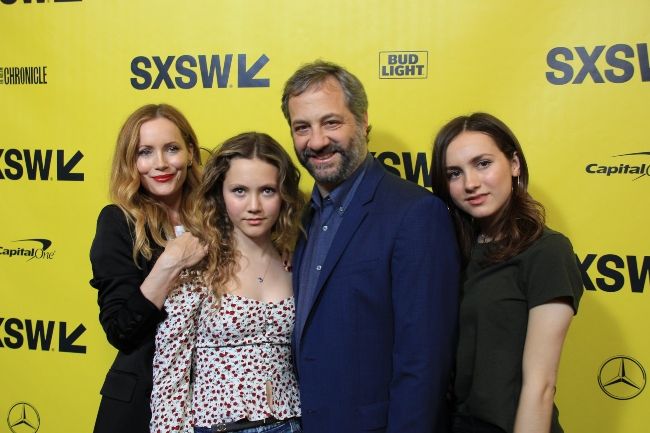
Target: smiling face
(253, 202)
(328, 140)
(162, 158)
(480, 176)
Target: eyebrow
(320, 119)
(482, 156)
(164, 144)
(473, 160)
(245, 185)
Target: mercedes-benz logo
(621, 377)
(23, 418)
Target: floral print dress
(216, 363)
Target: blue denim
(289, 426)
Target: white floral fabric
(213, 361)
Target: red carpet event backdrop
(572, 79)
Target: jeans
(289, 426)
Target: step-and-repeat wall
(572, 79)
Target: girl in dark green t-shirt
(521, 283)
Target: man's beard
(350, 159)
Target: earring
(517, 181)
(190, 163)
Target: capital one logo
(621, 377)
(28, 253)
(637, 170)
(23, 418)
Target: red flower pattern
(213, 361)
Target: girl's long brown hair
(211, 223)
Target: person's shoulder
(550, 235)
(112, 215)
(111, 211)
(402, 188)
(113, 236)
(551, 242)
(406, 194)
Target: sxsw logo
(611, 272)
(403, 64)
(207, 71)
(44, 335)
(410, 166)
(38, 164)
(582, 64)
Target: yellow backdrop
(572, 79)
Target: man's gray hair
(315, 74)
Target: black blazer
(129, 320)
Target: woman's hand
(180, 253)
(183, 252)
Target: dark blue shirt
(328, 214)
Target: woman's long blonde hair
(211, 223)
(147, 215)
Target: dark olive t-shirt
(493, 321)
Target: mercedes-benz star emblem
(621, 377)
(23, 418)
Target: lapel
(305, 222)
(354, 216)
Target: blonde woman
(137, 255)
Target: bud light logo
(403, 64)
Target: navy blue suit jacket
(377, 345)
